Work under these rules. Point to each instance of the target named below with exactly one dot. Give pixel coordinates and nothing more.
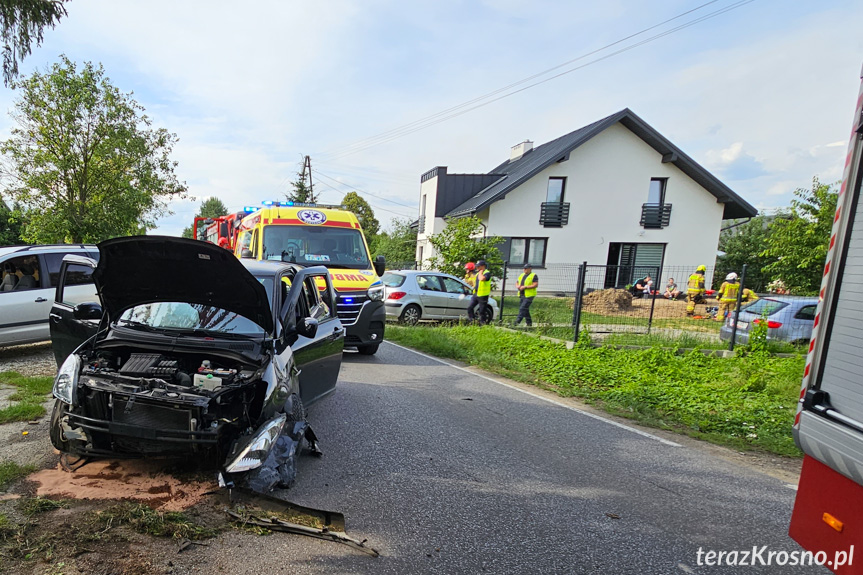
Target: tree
(10, 225)
(457, 244)
(798, 243)
(744, 244)
(398, 246)
(210, 208)
(84, 159)
(301, 192)
(361, 208)
(21, 24)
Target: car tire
(54, 432)
(411, 315)
(487, 316)
(368, 349)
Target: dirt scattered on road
(128, 480)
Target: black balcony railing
(554, 214)
(422, 224)
(655, 216)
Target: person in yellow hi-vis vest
(527, 284)
(470, 274)
(727, 297)
(749, 296)
(695, 290)
(480, 293)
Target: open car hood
(145, 269)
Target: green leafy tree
(361, 208)
(21, 24)
(210, 208)
(458, 244)
(10, 225)
(300, 190)
(84, 159)
(744, 244)
(798, 244)
(398, 245)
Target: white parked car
(28, 279)
(412, 295)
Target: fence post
(502, 292)
(653, 301)
(737, 309)
(576, 304)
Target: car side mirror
(380, 265)
(246, 253)
(89, 310)
(308, 327)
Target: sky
(762, 95)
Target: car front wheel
(487, 316)
(55, 432)
(411, 315)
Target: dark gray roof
(536, 160)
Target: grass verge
(747, 402)
(29, 396)
(11, 472)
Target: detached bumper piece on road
(248, 508)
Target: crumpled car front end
(215, 407)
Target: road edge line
(543, 398)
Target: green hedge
(747, 401)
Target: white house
(615, 192)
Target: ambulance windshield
(316, 245)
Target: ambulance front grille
(349, 306)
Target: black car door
(71, 324)
(318, 356)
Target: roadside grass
(10, 472)
(30, 394)
(143, 519)
(747, 402)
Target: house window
(527, 250)
(656, 214)
(656, 192)
(554, 194)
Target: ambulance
(313, 235)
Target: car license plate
(742, 325)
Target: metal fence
(604, 300)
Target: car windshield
(764, 307)
(186, 317)
(393, 280)
(316, 245)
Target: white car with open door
(192, 352)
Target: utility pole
(307, 167)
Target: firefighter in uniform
(527, 284)
(695, 290)
(748, 296)
(727, 297)
(480, 293)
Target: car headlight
(66, 382)
(255, 453)
(376, 293)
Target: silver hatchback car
(789, 318)
(412, 295)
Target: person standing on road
(727, 297)
(470, 274)
(527, 284)
(480, 293)
(695, 290)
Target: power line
(364, 192)
(377, 208)
(466, 107)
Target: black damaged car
(193, 353)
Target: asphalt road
(445, 471)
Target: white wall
(607, 182)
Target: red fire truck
(828, 513)
(221, 230)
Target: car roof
(45, 248)
(792, 299)
(268, 267)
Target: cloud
(735, 164)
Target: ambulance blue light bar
(250, 209)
